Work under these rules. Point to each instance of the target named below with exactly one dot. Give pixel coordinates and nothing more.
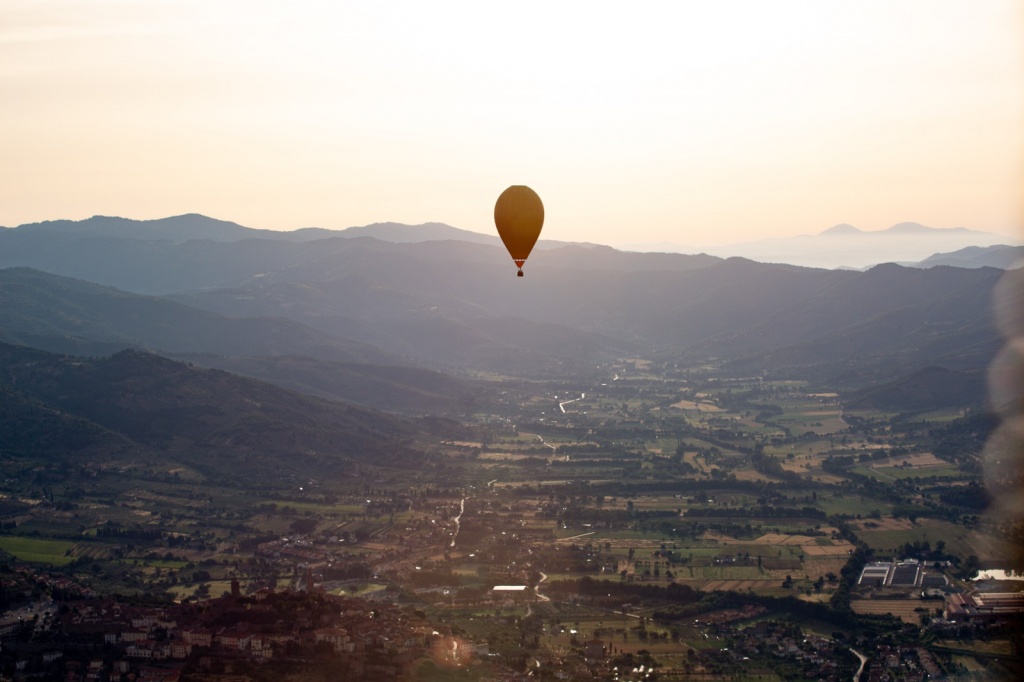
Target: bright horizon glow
(687, 123)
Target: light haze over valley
(276, 407)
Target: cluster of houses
(902, 664)
(107, 639)
(818, 656)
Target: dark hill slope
(879, 324)
(396, 389)
(213, 422)
(80, 318)
(29, 428)
(931, 388)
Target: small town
(93, 638)
(57, 628)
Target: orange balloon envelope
(519, 215)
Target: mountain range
(841, 246)
(401, 318)
(384, 319)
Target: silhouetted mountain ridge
(176, 228)
(159, 259)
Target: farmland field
(663, 484)
(907, 610)
(890, 474)
(740, 585)
(699, 407)
(888, 535)
(37, 550)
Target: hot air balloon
(519, 215)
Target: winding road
(536, 590)
(542, 441)
(562, 404)
(863, 662)
(458, 520)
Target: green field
(317, 507)
(957, 539)
(37, 550)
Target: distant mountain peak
(842, 228)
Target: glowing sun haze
(685, 122)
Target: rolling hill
(169, 414)
(70, 316)
(74, 316)
(931, 388)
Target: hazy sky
(686, 122)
